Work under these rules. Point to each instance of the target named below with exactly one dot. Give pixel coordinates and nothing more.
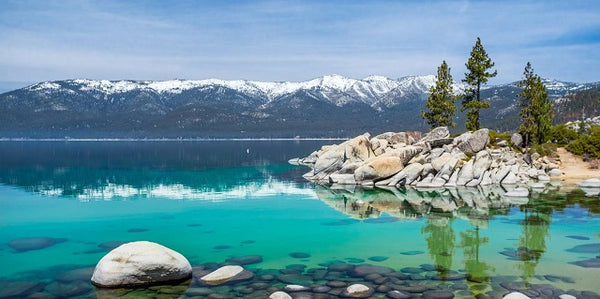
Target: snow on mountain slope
(376, 91)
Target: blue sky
(293, 40)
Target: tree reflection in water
(440, 238)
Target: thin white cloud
(273, 40)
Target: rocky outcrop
(435, 160)
(140, 263)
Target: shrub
(562, 135)
(495, 135)
(546, 149)
(588, 144)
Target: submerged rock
(18, 289)
(358, 290)
(27, 244)
(515, 295)
(222, 275)
(245, 260)
(280, 295)
(140, 263)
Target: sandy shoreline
(574, 169)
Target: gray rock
(555, 172)
(358, 290)
(435, 134)
(140, 263)
(517, 192)
(342, 179)
(437, 143)
(245, 260)
(399, 137)
(453, 178)
(296, 288)
(466, 174)
(502, 143)
(515, 295)
(473, 183)
(330, 161)
(399, 295)
(591, 183)
(409, 174)
(280, 295)
(476, 142)
(222, 275)
(486, 179)
(483, 161)
(349, 167)
(543, 178)
(379, 168)
(509, 179)
(406, 154)
(439, 162)
(516, 139)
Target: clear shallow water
(212, 201)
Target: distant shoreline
(163, 139)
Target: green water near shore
(213, 201)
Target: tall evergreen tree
(477, 75)
(441, 100)
(536, 108)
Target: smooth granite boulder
(280, 295)
(378, 168)
(476, 141)
(140, 263)
(227, 274)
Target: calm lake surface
(64, 205)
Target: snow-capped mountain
(332, 105)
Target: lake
(64, 205)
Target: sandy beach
(574, 168)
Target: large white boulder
(379, 168)
(140, 263)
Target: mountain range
(329, 106)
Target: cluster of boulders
(434, 160)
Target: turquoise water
(212, 201)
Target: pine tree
(536, 108)
(477, 65)
(525, 103)
(441, 100)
